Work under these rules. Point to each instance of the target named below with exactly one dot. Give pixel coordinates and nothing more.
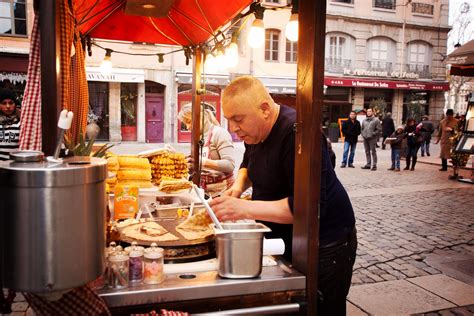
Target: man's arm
(230, 209)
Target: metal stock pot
(52, 228)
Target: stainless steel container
(239, 249)
(52, 222)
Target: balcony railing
(385, 4)
(336, 65)
(422, 8)
(422, 70)
(379, 66)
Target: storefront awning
(385, 84)
(279, 85)
(215, 80)
(117, 75)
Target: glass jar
(135, 265)
(153, 272)
(117, 276)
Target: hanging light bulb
(232, 53)
(220, 57)
(106, 65)
(291, 29)
(256, 36)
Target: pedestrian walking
(396, 139)
(388, 128)
(414, 140)
(446, 128)
(427, 130)
(351, 131)
(371, 128)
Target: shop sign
(117, 75)
(386, 84)
(215, 80)
(375, 73)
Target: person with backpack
(427, 129)
(414, 140)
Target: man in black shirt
(388, 127)
(268, 166)
(351, 131)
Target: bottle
(153, 272)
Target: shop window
(272, 40)
(336, 104)
(339, 52)
(291, 51)
(13, 17)
(378, 99)
(128, 110)
(415, 105)
(99, 107)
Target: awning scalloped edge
(14, 77)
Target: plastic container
(153, 265)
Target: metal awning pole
(196, 111)
(50, 73)
(309, 102)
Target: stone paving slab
(395, 298)
(458, 266)
(451, 289)
(352, 310)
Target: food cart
(282, 288)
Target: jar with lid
(153, 272)
(135, 264)
(118, 270)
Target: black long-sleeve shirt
(270, 167)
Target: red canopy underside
(189, 22)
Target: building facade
(382, 53)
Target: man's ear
(265, 108)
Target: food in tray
(168, 165)
(153, 229)
(133, 162)
(149, 231)
(170, 185)
(182, 212)
(196, 227)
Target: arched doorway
(155, 112)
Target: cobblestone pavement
(458, 311)
(403, 216)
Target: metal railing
(379, 66)
(336, 65)
(422, 70)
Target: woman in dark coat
(412, 134)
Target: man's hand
(229, 208)
(233, 192)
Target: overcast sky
(456, 19)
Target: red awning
(189, 22)
(385, 84)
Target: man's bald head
(249, 108)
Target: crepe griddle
(181, 250)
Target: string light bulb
(291, 29)
(209, 61)
(232, 53)
(256, 36)
(161, 58)
(106, 65)
(220, 59)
